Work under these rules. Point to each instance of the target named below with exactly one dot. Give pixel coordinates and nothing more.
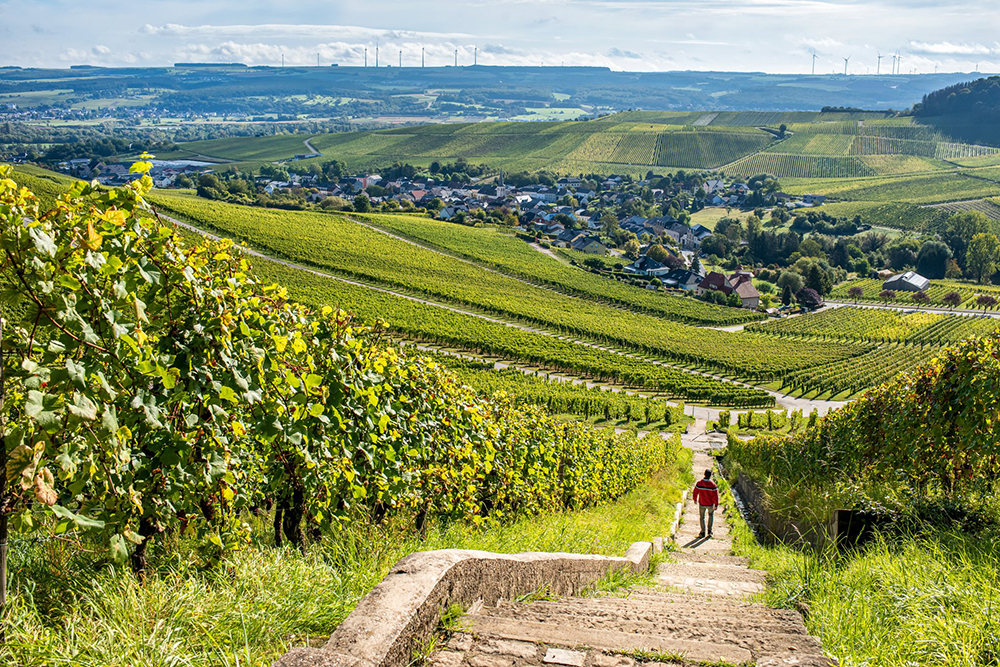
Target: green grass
(242, 149)
(912, 600)
(263, 601)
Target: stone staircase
(699, 611)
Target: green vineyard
(842, 379)
(513, 256)
(872, 290)
(562, 397)
(880, 326)
(800, 166)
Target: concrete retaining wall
(814, 534)
(400, 614)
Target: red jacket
(706, 492)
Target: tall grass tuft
(928, 597)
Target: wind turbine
(814, 62)
(899, 66)
(421, 56)
(366, 56)
(401, 57)
(845, 64)
(878, 68)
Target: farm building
(911, 281)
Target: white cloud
(749, 35)
(290, 31)
(951, 49)
(435, 54)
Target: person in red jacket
(706, 494)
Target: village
(582, 215)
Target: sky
(778, 36)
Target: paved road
(783, 401)
(308, 144)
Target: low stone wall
(400, 614)
(814, 534)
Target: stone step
(694, 556)
(560, 634)
(751, 634)
(702, 544)
(660, 618)
(464, 651)
(717, 571)
(712, 587)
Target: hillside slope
(929, 435)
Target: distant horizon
(774, 36)
(176, 65)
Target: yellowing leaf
(45, 492)
(21, 462)
(93, 239)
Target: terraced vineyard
(635, 148)
(800, 166)
(931, 188)
(828, 153)
(880, 326)
(426, 323)
(711, 149)
(513, 256)
(936, 292)
(842, 379)
(987, 207)
(338, 245)
(897, 216)
(564, 397)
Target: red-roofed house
(740, 282)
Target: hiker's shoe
(710, 536)
(701, 534)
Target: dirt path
(548, 252)
(698, 610)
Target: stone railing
(391, 624)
